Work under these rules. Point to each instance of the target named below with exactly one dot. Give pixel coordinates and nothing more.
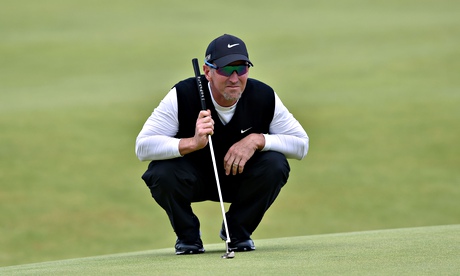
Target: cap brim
(221, 62)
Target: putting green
(408, 251)
(374, 83)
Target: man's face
(226, 90)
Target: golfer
(252, 133)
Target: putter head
(229, 255)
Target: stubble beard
(232, 96)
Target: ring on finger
(235, 165)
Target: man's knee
(161, 176)
(273, 165)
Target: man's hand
(204, 127)
(239, 154)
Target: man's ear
(207, 72)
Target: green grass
(375, 85)
(410, 251)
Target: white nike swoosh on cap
(232, 45)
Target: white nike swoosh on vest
(244, 130)
(232, 45)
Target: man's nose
(234, 76)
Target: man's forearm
(157, 147)
(290, 146)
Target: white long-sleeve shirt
(156, 140)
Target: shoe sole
(242, 249)
(190, 251)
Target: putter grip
(196, 68)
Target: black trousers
(176, 183)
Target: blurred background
(374, 83)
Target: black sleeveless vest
(253, 114)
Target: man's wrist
(260, 141)
(186, 145)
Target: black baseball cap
(226, 49)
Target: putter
(228, 254)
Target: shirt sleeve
(156, 140)
(286, 135)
